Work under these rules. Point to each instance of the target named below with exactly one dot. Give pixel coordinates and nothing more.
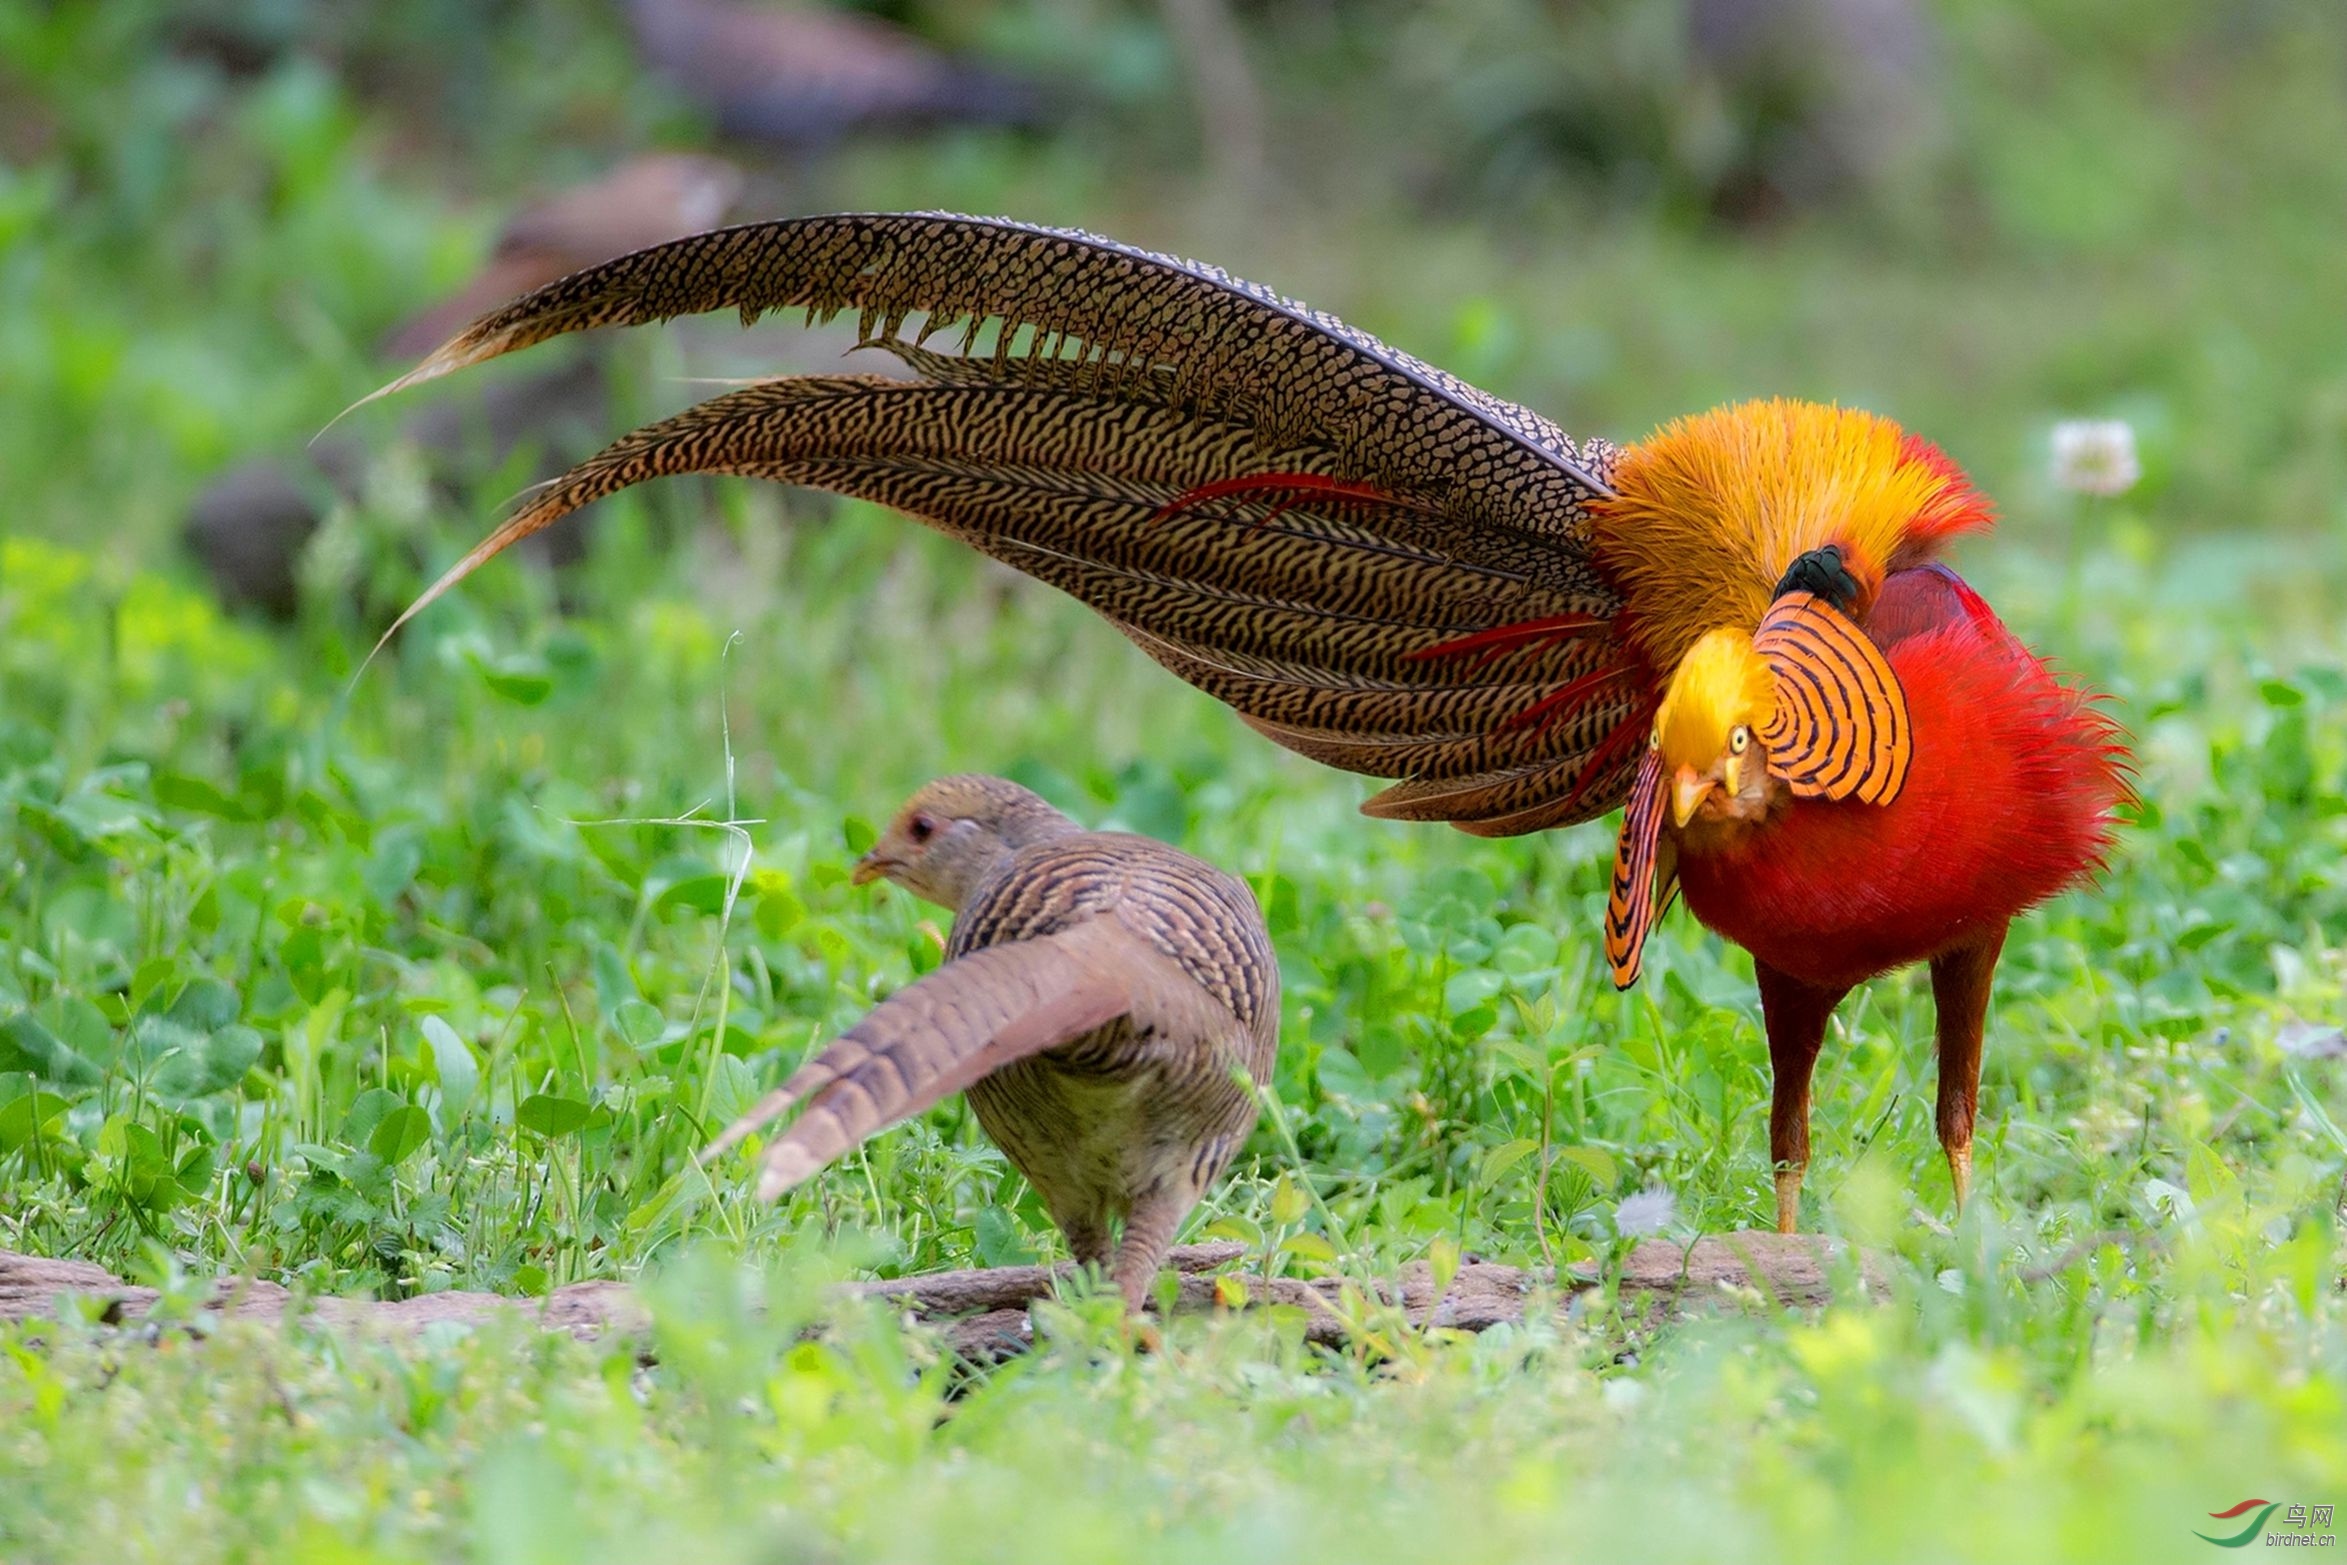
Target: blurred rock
(641, 202)
(800, 76)
(1822, 96)
(1732, 109)
(249, 527)
(2303, 1040)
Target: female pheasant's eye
(921, 828)
(1739, 740)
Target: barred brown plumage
(1106, 1001)
(1645, 876)
(642, 201)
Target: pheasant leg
(1795, 1014)
(1960, 982)
(1149, 1233)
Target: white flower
(2096, 456)
(1647, 1212)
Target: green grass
(417, 985)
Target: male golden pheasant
(1825, 739)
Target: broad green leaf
(2280, 693)
(551, 1116)
(368, 1110)
(26, 1045)
(1468, 1026)
(81, 1027)
(1596, 1162)
(399, 1133)
(1289, 1203)
(205, 1005)
(639, 1022)
(33, 1114)
(197, 1164)
(614, 984)
(1233, 1226)
(733, 1087)
(522, 679)
(1309, 1247)
(130, 1161)
(195, 796)
(1000, 1240)
(1504, 1157)
(1471, 991)
(204, 1064)
(700, 893)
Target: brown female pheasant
(1107, 1002)
(1738, 628)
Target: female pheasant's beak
(871, 867)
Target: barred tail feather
(1326, 627)
(932, 1039)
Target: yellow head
(1708, 728)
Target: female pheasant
(1824, 738)
(1107, 1002)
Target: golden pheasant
(1106, 1001)
(1824, 738)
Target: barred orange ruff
(1839, 729)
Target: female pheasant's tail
(935, 1037)
(1379, 566)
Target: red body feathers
(2010, 800)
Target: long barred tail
(1318, 530)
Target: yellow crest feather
(1711, 510)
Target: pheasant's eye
(1654, 739)
(1739, 740)
(921, 828)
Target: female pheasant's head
(955, 833)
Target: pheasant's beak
(870, 868)
(1687, 791)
